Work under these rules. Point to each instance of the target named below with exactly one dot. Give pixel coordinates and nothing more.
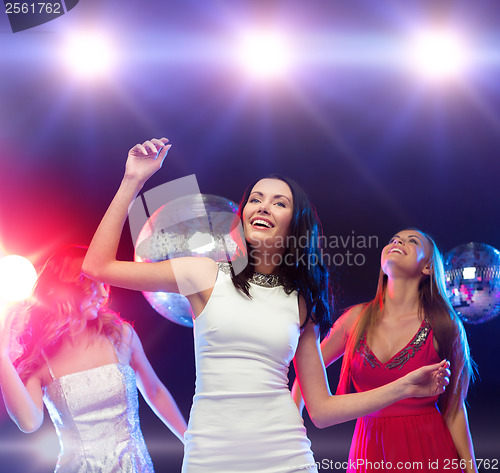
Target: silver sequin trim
(410, 350)
(265, 280)
(404, 355)
(259, 279)
(224, 267)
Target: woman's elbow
(92, 269)
(88, 269)
(319, 422)
(28, 426)
(317, 418)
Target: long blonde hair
(55, 310)
(447, 327)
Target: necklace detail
(259, 279)
(265, 280)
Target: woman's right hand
(145, 159)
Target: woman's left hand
(429, 380)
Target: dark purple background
(376, 148)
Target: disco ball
(472, 273)
(192, 225)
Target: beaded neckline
(402, 356)
(259, 279)
(265, 280)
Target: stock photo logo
(25, 15)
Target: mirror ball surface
(194, 225)
(472, 273)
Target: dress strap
(48, 366)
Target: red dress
(409, 435)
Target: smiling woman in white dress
(248, 328)
(85, 363)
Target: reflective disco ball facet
(472, 273)
(192, 225)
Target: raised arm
(325, 409)
(179, 275)
(333, 346)
(153, 390)
(23, 402)
(458, 425)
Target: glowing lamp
(17, 277)
(264, 54)
(438, 55)
(88, 55)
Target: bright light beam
(264, 54)
(88, 55)
(17, 277)
(439, 55)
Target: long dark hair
(303, 270)
(447, 327)
(55, 310)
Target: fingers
(152, 146)
(155, 144)
(443, 376)
(444, 371)
(441, 367)
(138, 149)
(160, 147)
(444, 364)
(149, 144)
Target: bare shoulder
(200, 272)
(350, 316)
(128, 333)
(129, 341)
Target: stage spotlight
(17, 277)
(264, 54)
(439, 55)
(88, 55)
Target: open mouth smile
(261, 223)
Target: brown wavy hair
(54, 310)
(447, 327)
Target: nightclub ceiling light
(264, 54)
(438, 55)
(17, 277)
(88, 55)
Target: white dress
(243, 418)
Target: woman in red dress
(408, 324)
